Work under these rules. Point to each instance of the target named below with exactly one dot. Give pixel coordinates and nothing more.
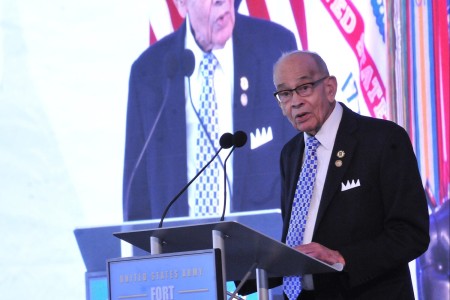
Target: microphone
(226, 141)
(239, 140)
(185, 63)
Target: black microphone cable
(239, 140)
(226, 141)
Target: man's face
(212, 21)
(306, 113)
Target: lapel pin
(244, 99)
(340, 154)
(338, 163)
(244, 83)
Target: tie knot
(311, 144)
(208, 65)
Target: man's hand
(321, 253)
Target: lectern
(242, 250)
(97, 244)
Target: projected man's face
(212, 21)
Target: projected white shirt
(223, 83)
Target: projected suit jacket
(257, 44)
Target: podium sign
(181, 275)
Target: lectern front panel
(181, 275)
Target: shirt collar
(224, 56)
(327, 133)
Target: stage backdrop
(391, 59)
(64, 68)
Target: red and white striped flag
(164, 17)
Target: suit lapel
(296, 156)
(176, 98)
(344, 142)
(174, 116)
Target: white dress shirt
(326, 136)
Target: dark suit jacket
(379, 226)
(163, 170)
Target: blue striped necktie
(302, 199)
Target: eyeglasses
(303, 90)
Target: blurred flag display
(391, 61)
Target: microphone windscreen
(188, 62)
(171, 64)
(240, 138)
(226, 140)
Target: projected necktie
(300, 207)
(207, 185)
